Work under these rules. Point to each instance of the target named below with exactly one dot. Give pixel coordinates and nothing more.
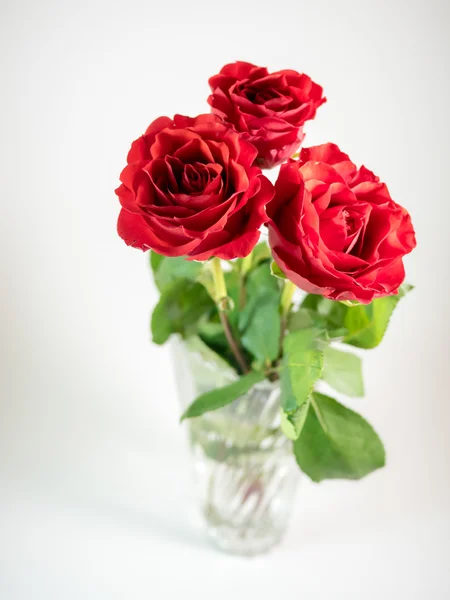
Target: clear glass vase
(244, 467)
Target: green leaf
(167, 268)
(181, 305)
(311, 301)
(342, 370)
(292, 423)
(257, 325)
(210, 330)
(288, 399)
(305, 318)
(261, 288)
(221, 397)
(404, 289)
(276, 271)
(262, 336)
(197, 345)
(340, 332)
(322, 305)
(260, 253)
(260, 281)
(330, 310)
(299, 341)
(367, 323)
(337, 443)
(301, 367)
(155, 260)
(362, 325)
(301, 319)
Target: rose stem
(232, 342)
(285, 306)
(246, 265)
(221, 297)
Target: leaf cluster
(314, 344)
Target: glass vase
(245, 471)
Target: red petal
(134, 230)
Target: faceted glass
(244, 467)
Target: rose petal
(134, 230)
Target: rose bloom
(334, 229)
(268, 109)
(190, 189)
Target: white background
(96, 499)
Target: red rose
(334, 229)
(190, 189)
(268, 109)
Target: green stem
(246, 265)
(286, 298)
(220, 286)
(221, 297)
(285, 306)
(242, 292)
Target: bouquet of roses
(194, 194)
